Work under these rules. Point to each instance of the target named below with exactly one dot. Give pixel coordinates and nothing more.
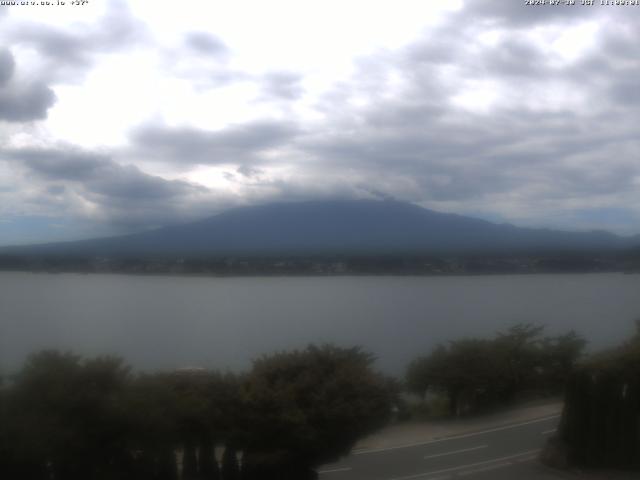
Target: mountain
(330, 227)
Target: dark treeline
(600, 425)
(63, 417)
(361, 264)
(476, 374)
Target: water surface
(166, 322)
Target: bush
(476, 374)
(70, 418)
(309, 407)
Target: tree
(476, 373)
(151, 407)
(599, 425)
(68, 416)
(188, 410)
(309, 407)
(471, 373)
(230, 467)
(520, 350)
(558, 357)
(426, 372)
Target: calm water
(166, 322)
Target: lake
(158, 322)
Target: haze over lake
(169, 322)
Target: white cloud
(477, 108)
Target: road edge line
(455, 437)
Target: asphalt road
(507, 452)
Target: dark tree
(152, 415)
(230, 467)
(69, 420)
(558, 355)
(480, 373)
(189, 462)
(309, 407)
(206, 460)
(599, 425)
(519, 349)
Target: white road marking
(334, 470)
(470, 465)
(455, 451)
(525, 459)
(547, 432)
(495, 466)
(454, 437)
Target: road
(506, 452)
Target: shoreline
(317, 275)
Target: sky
(120, 116)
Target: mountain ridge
(333, 227)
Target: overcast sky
(119, 116)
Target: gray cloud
(518, 159)
(516, 56)
(235, 144)
(26, 103)
(75, 47)
(121, 194)
(99, 174)
(508, 128)
(59, 164)
(559, 137)
(249, 172)
(7, 66)
(55, 43)
(202, 59)
(206, 43)
(21, 102)
(56, 189)
(130, 183)
(518, 14)
(625, 91)
(282, 85)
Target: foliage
(599, 425)
(309, 407)
(479, 373)
(69, 418)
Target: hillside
(330, 227)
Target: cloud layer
(508, 112)
(21, 102)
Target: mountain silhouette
(335, 226)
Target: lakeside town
(330, 265)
